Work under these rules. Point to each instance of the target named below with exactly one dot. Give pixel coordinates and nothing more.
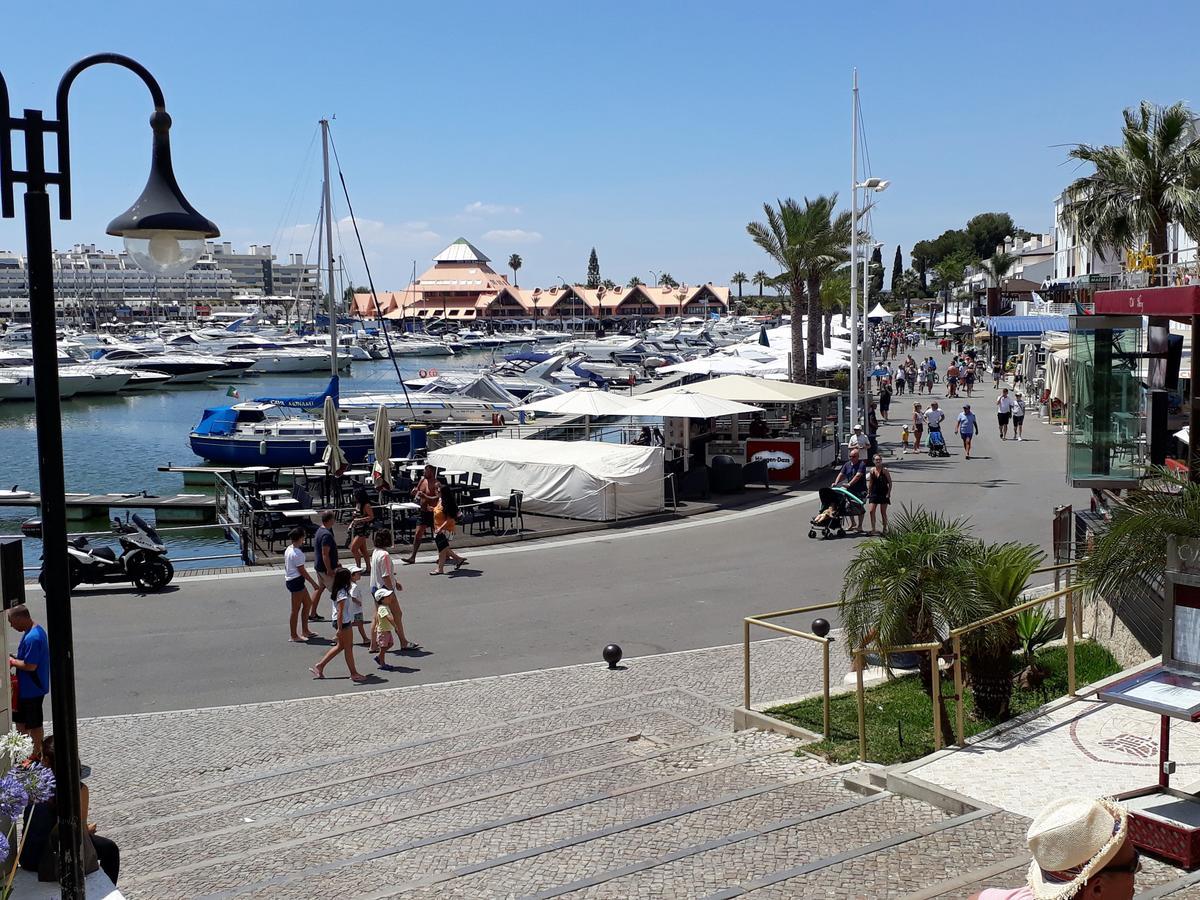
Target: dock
(179, 508)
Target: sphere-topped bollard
(820, 627)
(612, 655)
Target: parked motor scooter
(143, 560)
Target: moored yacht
(184, 368)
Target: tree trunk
(925, 673)
(814, 326)
(991, 679)
(827, 340)
(798, 358)
(1158, 248)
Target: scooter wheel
(841, 532)
(73, 579)
(154, 575)
(811, 533)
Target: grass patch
(899, 717)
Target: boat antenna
(371, 281)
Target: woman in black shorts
(295, 573)
(360, 527)
(879, 491)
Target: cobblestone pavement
(579, 782)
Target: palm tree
(999, 572)
(634, 282)
(1139, 187)
(950, 273)
(514, 263)
(761, 279)
(739, 278)
(665, 280)
(809, 242)
(995, 269)
(608, 284)
(835, 298)
(911, 586)
(1134, 547)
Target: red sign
(1150, 301)
(782, 456)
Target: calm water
(116, 443)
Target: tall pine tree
(593, 275)
(876, 271)
(897, 270)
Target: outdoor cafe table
(274, 492)
(406, 506)
(452, 473)
(281, 501)
(255, 469)
(355, 473)
(298, 513)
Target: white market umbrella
(334, 459)
(713, 365)
(586, 402)
(381, 471)
(684, 404)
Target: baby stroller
(937, 443)
(836, 504)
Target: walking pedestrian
(295, 573)
(445, 520)
(933, 421)
(1018, 416)
(858, 440)
(428, 494)
(32, 663)
(879, 491)
(997, 374)
(360, 593)
(382, 628)
(966, 427)
(900, 380)
(872, 429)
(918, 427)
(360, 527)
(885, 398)
(922, 377)
(1004, 407)
(343, 621)
(952, 379)
(383, 578)
(325, 551)
(853, 477)
(969, 378)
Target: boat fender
(632, 381)
(262, 448)
(433, 373)
(424, 373)
(312, 448)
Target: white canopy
(575, 479)
(879, 312)
(581, 402)
(1184, 434)
(713, 365)
(688, 404)
(757, 390)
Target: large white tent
(745, 389)
(574, 479)
(879, 314)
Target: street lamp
(165, 235)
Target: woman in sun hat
(1080, 848)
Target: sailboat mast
(333, 366)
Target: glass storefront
(1104, 409)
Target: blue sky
(652, 131)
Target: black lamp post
(165, 235)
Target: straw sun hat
(1071, 840)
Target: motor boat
(265, 355)
(347, 347)
(264, 434)
(20, 381)
(446, 398)
(184, 368)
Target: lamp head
(874, 184)
(163, 233)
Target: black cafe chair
(510, 513)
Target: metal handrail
(825, 642)
(932, 649)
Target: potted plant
(24, 782)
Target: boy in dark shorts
(32, 663)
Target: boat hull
(234, 450)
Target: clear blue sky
(652, 131)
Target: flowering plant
(24, 782)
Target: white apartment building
(1075, 262)
(86, 274)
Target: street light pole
(162, 233)
(854, 366)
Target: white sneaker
(1020, 438)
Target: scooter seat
(105, 553)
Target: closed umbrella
(381, 472)
(334, 458)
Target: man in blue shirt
(325, 550)
(32, 663)
(967, 427)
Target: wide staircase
(646, 795)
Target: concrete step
(571, 837)
(394, 775)
(306, 757)
(346, 836)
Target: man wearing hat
(1080, 848)
(858, 441)
(1018, 416)
(966, 427)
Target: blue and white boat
(264, 432)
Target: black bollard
(612, 655)
(820, 627)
